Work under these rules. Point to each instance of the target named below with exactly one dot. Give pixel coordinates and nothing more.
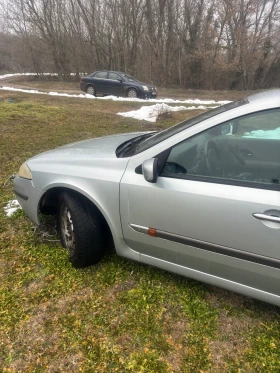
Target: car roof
(109, 71)
(269, 97)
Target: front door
(115, 85)
(215, 207)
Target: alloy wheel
(91, 90)
(132, 93)
(67, 229)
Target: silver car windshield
(163, 135)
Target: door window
(114, 76)
(246, 150)
(101, 75)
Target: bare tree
(192, 43)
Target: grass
(117, 316)
(52, 84)
(46, 83)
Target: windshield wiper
(128, 146)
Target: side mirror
(150, 170)
(120, 81)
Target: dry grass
(232, 342)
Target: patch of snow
(35, 74)
(81, 95)
(11, 207)
(115, 98)
(24, 74)
(269, 134)
(150, 113)
(34, 91)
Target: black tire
(131, 92)
(91, 90)
(80, 229)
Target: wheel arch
(132, 87)
(48, 203)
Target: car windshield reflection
(129, 78)
(163, 135)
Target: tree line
(199, 44)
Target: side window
(114, 76)
(101, 75)
(245, 149)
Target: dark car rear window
(101, 75)
(163, 135)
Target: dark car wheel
(132, 93)
(90, 90)
(80, 230)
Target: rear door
(100, 81)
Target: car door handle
(273, 218)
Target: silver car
(201, 199)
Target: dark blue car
(116, 83)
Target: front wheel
(90, 90)
(132, 93)
(80, 230)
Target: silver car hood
(77, 165)
(101, 147)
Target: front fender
(99, 196)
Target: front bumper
(28, 197)
(147, 94)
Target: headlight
(145, 87)
(25, 172)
